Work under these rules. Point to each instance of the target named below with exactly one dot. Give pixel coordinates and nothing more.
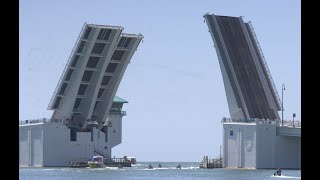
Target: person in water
(179, 166)
(150, 167)
(278, 172)
(159, 166)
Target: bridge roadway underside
(244, 67)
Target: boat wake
(136, 165)
(286, 177)
(94, 169)
(147, 169)
(191, 167)
(171, 168)
(114, 168)
(50, 169)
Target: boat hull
(95, 165)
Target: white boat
(96, 162)
(132, 160)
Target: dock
(210, 163)
(108, 162)
(116, 162)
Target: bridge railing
(42, 120)
(292, 123)
(264, 62)
(289, 123)
(250, 120)
(65, 68)
(121, 113)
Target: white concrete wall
(233, 150)
(114, 135)
(266, 136)
(240, 148)
(60, 151)
(37, 146)
(115, 132)
(23, 147)
(49, 144)
(248, 146)
(289, 131)
(288, 152)
(259, 146)
(99, 140)
(31, 145)
(82, 149)
(55, 145)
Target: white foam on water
(60, 169)
(162, 168)
(191, 167)
(48, 169)
(166, 168)
(286, 177)
(95, 169)
(136, 165)
(147, 169)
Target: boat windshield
(97, 158)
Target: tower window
(73, 134)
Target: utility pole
(220, 151)
(283, 88)
(293, 116)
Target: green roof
(119, 100)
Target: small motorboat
(132, 160)
(96, 162)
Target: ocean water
(189, 170)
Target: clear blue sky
(173, 83)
